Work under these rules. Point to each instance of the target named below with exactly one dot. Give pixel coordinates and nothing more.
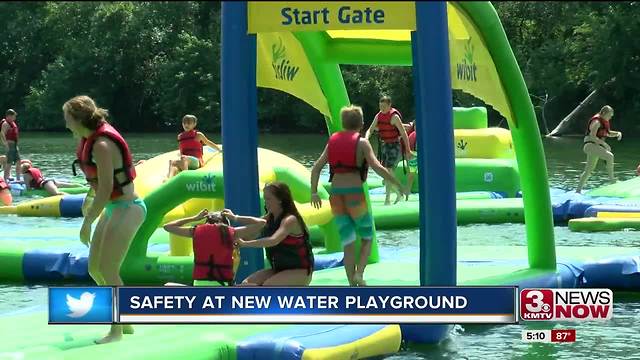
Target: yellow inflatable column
(180, 245)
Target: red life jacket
(412, 141)
(386, 131)
(3, 184)
(213, 253)
(12, 133)
(90, 169)
(293, 252)
(343, 150)
(190, 145)
(604, 129)
(36, 177)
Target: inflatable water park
(468, 173)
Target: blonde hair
(606, 110)
(190, 118)
(352, 118)
(82, 108)
(25, 165)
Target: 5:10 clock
(549, 336)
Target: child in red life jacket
(34, 179)
(9, 133)
(216, 254)
(392, 133)
(190, 143)
(349, 156)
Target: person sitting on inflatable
(215, 252)
(349, 156)
(190, 143)
(34, 180)
(285, 238)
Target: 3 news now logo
(80, 305)
(566, 304)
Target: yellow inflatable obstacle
(52, 206)
(272, 166)
(488, 143)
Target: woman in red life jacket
(388, 124)
(349, 156)
(595, 146)
(215, 252)
(9, 132)
(106, 161)
(285, 239)
(34, 179)
(190, 143)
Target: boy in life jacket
(9, 136)
(190, 143)
(34, 179)
(595, 146)
(388, 124)
(349, 156)
(216, 255)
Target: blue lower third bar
(376, 305)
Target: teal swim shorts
(108, 209)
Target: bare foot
(358, 280)
(111, 337)
(399, 196)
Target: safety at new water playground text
(296, 302)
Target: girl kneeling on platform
(285, 238)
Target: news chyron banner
(252, 305)
(317, 305)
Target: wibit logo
(462, 145)
(281, 65)
(467, 69)
(80, 305)
(206, 184)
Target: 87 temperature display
(549, 336)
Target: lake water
(615, 339)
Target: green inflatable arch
(474, 31)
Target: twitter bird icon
(80, 307)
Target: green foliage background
(150, 63)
